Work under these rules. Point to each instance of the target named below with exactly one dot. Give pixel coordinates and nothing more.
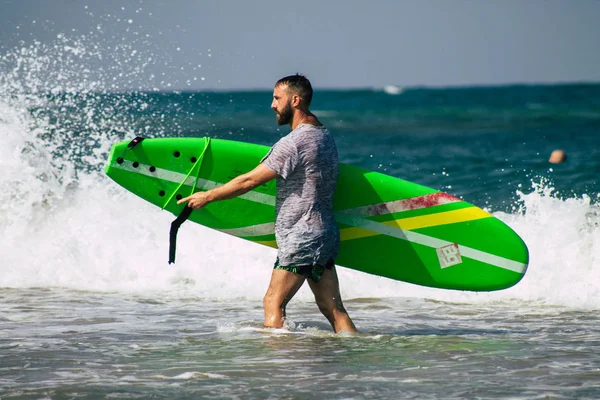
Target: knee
(267, 300)
(272, 301)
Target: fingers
(194, 201)
(191, 203)
(185, 199)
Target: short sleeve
(282, 158)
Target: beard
(285, 116)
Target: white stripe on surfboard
(363, 211)
(412, 203)
(344, 216)
(429, 241)
(177, 177)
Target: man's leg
(329, 300)
(283, 286)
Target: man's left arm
(235, 187)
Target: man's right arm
(235, 187)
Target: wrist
(210, 196)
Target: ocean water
(89, 307)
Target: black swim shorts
(313, 272)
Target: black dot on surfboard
(120, 160)
(161, 193)
(177, 154)
(179, 197)
(152, 169)
(193, 159)
(136, 164)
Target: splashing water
(65, 224)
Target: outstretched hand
(196, 201)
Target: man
(305, 164)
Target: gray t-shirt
(306, 161)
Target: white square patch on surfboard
(449, 255)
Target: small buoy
(558, 156)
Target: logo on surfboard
(449, 255)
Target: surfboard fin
(183, 216)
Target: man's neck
(301, 117)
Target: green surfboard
(388, 226)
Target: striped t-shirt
(306, 161)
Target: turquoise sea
(89, 307)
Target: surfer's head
(298, 85)
(291, 98)
(291, 93)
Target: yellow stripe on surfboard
(423, 221)
(409, 224)
(270, 243)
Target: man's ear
(296, 100)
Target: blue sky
(226, 44)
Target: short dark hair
(300, 84)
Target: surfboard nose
(116, 148)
